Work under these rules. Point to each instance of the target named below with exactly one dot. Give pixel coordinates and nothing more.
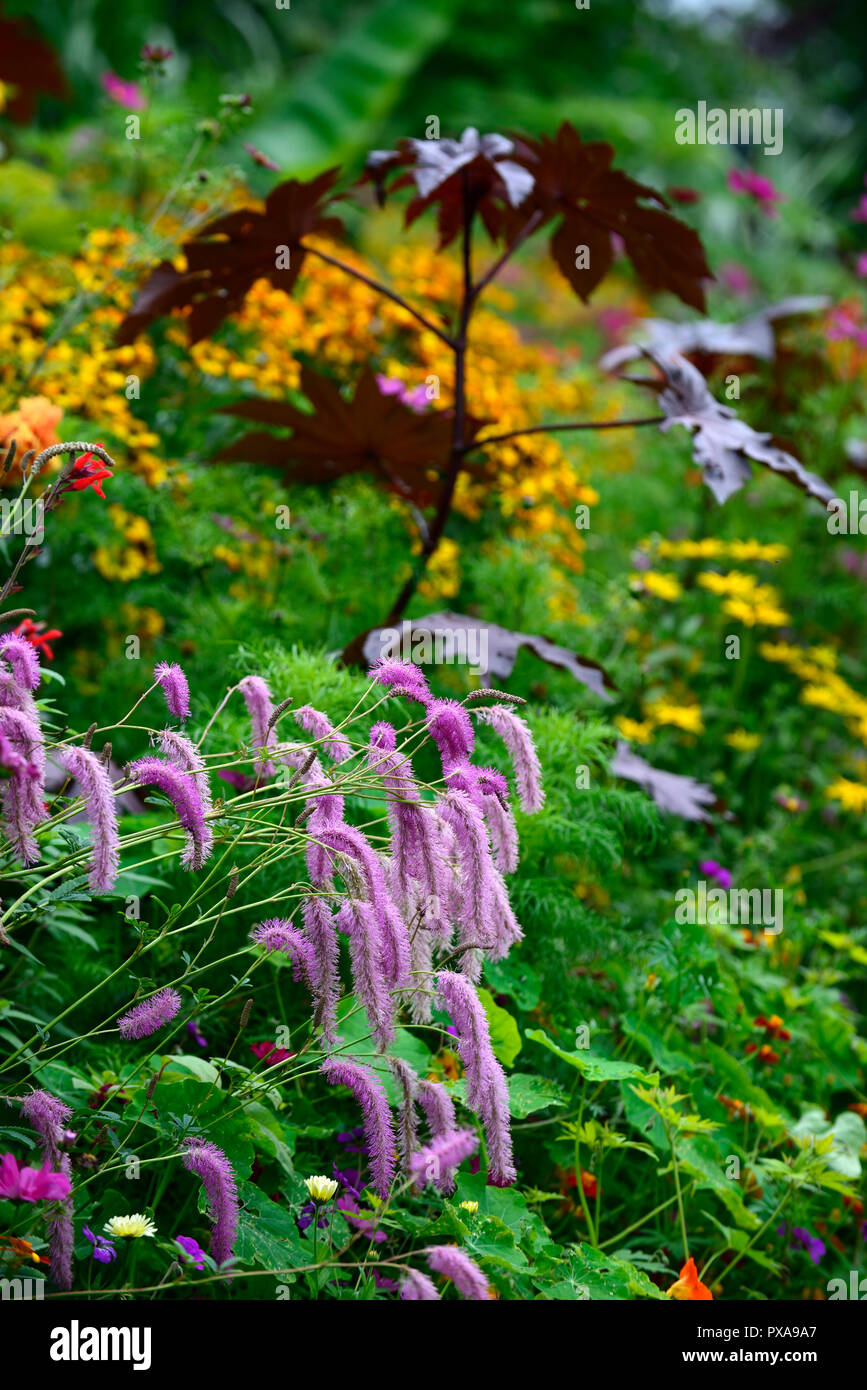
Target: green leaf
(528, 1093)
(596, 1068)
(505, 1037)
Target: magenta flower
(358, 920)
(23, 793)
(175, 687)
(31, 1184)
(48, 1116)
(182, 790)
(193, 1254)
(369, 1093)
(93, 778)
(757, 187)
(321, 931)
(713, 870)
(211, 1165)
(127, 94)
(486, 1083)
(416, 398)
(516, 735)
(418, 1287)
(151, 1015)
(257, 698)
(437, 1162)
(335, 745)
(451, 729)
(23, 658)
(736, 278)
(861, 265)
(402, 678)
(464, 1273)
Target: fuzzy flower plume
(182, 790)
(319, 725)
(522, 750)
(418, 1288)
(48, 1116)
(369, 1093)
(411, 824)
(279, 935)
(477, 883)
(366, 879)
(23, 659)
(181, 751)
(486, 1083)
(437, 1162)
(211, 1165)
(464, 1273)
(358, 920)
(257, 698)
(451, 729)
(93, 778)
(321, 932)
(438, 1107)
(402, 678)
(23, 792)
(407, 1120)
(151, 1015)
(174, 686)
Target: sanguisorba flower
(486, 1083)
(379, 1134)
(211, 1165)
(321, 1189)
(130, 1227)
(182, 790)
(169, 676)
(689, 1288)
(468, 1279)
(93, 778)
(151, 1015)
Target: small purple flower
(127, 94)
(151, 1015)
(195, 1033)
(193, 1252)
(717, 872)
(103, 1250)
(175, 688)
(811, 1244)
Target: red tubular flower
(38, 636)
(87, 471)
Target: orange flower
(32, 425)
(689, 1288)
(23, 1249)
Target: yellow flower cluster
(712, 548)
(80, 371)
(686, 717)
(134, 555)
(851, 795)
(745, 599)
(824, 688)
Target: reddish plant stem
(565, 425)
(383, 290)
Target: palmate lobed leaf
(404, 450)
(231, 253)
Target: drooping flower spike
(48, 1116)
(211, 1165)
(336, 745)
(486, 1084)
(173, 682)
(370, 1095)
(93, 778)
(402, 678)
(182, 790)
(468, 1279)
(257, 698)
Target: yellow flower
(666, 586)
(743, 741)
(321, 1189)
(851, 795)
(634, 729)
(686, 717)
(471, 1207)
(133, 1226)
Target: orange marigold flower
(689, 1288)
(32, 425)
